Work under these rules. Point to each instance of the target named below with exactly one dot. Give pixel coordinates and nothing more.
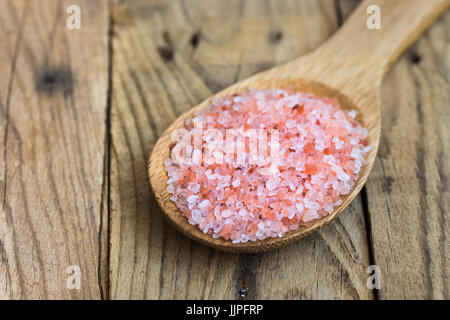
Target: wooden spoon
(350, 67)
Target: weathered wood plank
(408, 190)
(54, 152)
(11, 20)
(329, 264)
(168, 56)
(151, 85)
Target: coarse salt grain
(321, 147)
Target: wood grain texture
(11, 20)
(408, 190)
(151, 86)
(335, 257)
(157, 76)
(53, 151)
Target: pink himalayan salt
(322, 150)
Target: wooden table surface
(81, 109)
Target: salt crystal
(217, 212)
(192, 199)
(290, 123)
(194, 187)
(242, 212)
(355, 153)
(320, 145)
(352, 114)
(338, 143)
(272, 183)
(244, 238)
(196, 215)
(196, 156)
(341, 175)
(203, 204)
(367, 149)
(226, 213)
(236, 183)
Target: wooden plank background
(81, 110)
(53, 149)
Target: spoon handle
(371, 50)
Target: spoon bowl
(161, 151)
(349, 67)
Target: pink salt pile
(320, 149)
